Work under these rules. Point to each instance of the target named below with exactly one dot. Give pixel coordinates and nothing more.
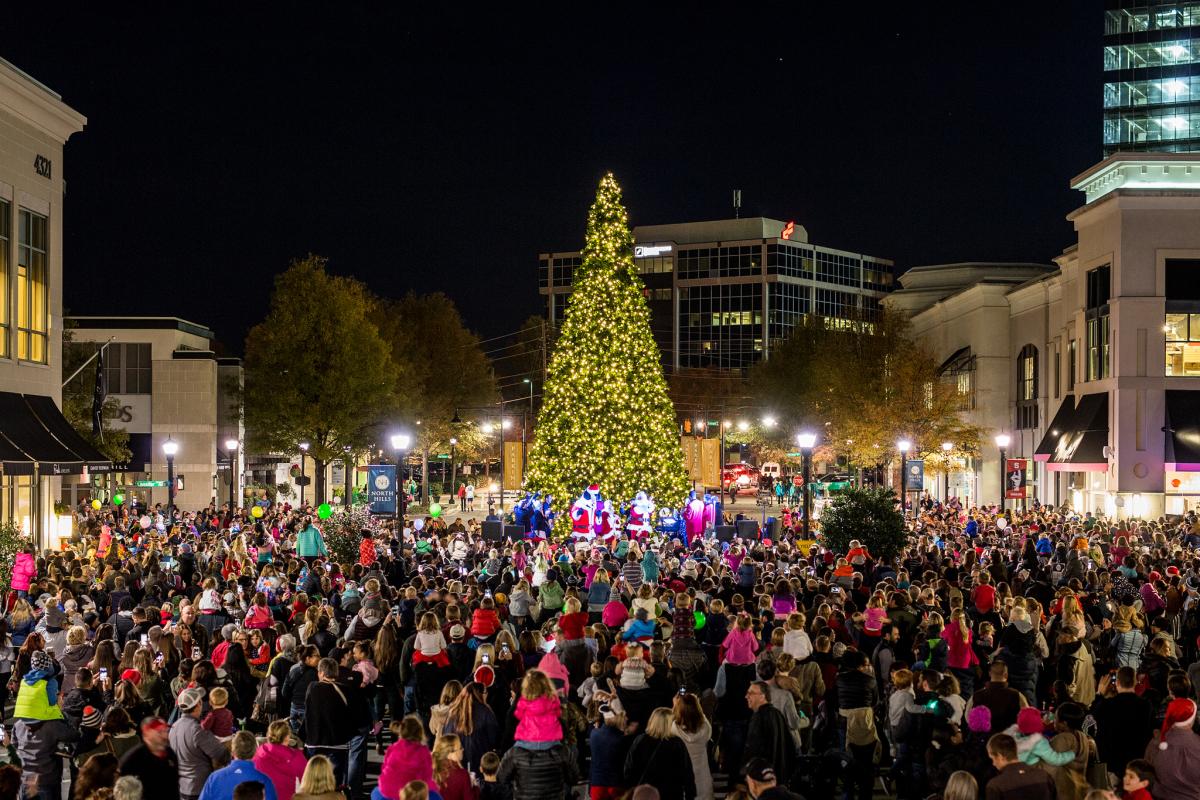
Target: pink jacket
(874, 619)
(961, 655)
(740, 646)
(404, 762)
(283, 765)
(23, 572)
(539, 720)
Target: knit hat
(1029, 721)
(134, 676)
(979, 719)
(1181, 713)
(41, 661)
(485, 676)
(554, 670)
(91, 717)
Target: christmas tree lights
(606, 418)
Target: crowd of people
(1032, 654)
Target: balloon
(256, 512)
(96, 505)
(435, 510)
(118, 499)
(701, 620)
(418, 524)
(1001, 523)
(324, 511)
(145, 521)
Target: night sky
(444, 151)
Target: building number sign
(42, 166)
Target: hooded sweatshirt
(1035, 749)
(402, 763)
(283, 765)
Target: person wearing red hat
(1174, 752)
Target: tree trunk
(350, 475)
(425, 476)
(319, 484)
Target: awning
(1081, 445)
(959, 361)
(12, 460)
(48, 413)
(21, 426)
(1058, 426)
(1182, 442)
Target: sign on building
(1015, 479)
(381, 488)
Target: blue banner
(914, 475)
(381, 488)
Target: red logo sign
(1014, 479)
(786, 233)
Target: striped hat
(91, 717)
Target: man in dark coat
(768, 736)
(1015, 780)
(1124, 720)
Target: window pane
(1176, 328)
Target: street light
(453, 471)
(170, 448)
(231, 448)
(400, 442)
(946, 448)
(303, 480)
(743, 426)
(1002, 440)
(904, 445)
(525, 423)
(806, 441)
(768, 422)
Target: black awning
(1182, 442)
(958, 361)
(1058, 426)
(12, 460)
(22, 427)
(1086, 437)
(45, 410)
(140, 445)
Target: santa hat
(1181, 713)
(485, 676)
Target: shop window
(32, 312)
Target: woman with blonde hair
(280, 761)
(440, 712)
(318, 782)
(689, 723)
(453, 781)
(660, 758)
(961, 786)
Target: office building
(1151, 76)
(169, 384)
(1092, 365)
(722, 292)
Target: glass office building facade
(1151, 76)
(722, 293)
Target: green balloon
(324, 511)
(701, 620)
(118, 499)
(435, 510)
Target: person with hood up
(1018, 651)
(1032, 747)
(1174, 752)
(78, 653)
(650, 566)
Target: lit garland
(606, 417)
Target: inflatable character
(583, 513)
(694, 517)
(641, 516)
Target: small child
(492, 789)
(430, 646)
(1139, 777)
(219, 721)
(635, 670)
(796, 641)
(875, 617)
(740, 643)
(364, 665)
(588, 688)
(37, 697)
(539, 712)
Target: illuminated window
(32, 314)
(1027, 387)
(5, 210)
(1183, 344)
(1098, 287)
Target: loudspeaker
(725, 533)
(493, 530)
(747, 529)
(514, 532)
(773, 526)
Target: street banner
(1014, 479)
(337, 473)
(914, 475)
(514, 478)
(381, 488)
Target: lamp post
(946, 448)
(453, 471)
(303, 453)
(806, 442)
(524, 427)
(170, 448)
(904, 445)
(1002, 440)
(231, 448)
(400, 442)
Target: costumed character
(641, 516)
(583, 514)
(543, 516)
(607, 524)
(693, 517)
(712, 511)
(523, 513)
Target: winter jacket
(519, 602)
(196, 750)
(1035, 749)
(740, 646)
(309, 543)
(649, 567)
(538, 774)
(961, 655)
(283, 765)
(609, 747)
(23, 572)
(539, 720)
(479, 741)
(697, 747)
(221, 783)
(1177, 768)
(664, 764)
(1076, 669)
(550, 595)
(37, 747)
(74, 657)
(1127, 648)
(402, 763)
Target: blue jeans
(356, 765)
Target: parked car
(742, 475)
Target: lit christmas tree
(606, 418)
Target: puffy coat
(23, 572)
(74, 657)
(283, 765)
(404, 762)
(538, 774)
(665, 764)
(539, 720)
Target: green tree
(606, 416)
(868, 515)
(317, 369)
(11, 542)
(77, 400)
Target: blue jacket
(309, 543)
(609, 747)
(220, 784)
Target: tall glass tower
(1151, 76)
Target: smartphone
(485, 658)
(196, 653)
(145, 639)
(158, 659)
(103, 674)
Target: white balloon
(1001, 523)
(418, 523)
(144, 521)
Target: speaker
(747, 529)
(773, 526)
(725, 533)
(493, 530)
(514, 532)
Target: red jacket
(484, 622)
(366, 552)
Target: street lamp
(768, 422)
(400, 442)
(453, 471)
(904, 445)
(1002, 440)
(170, 448)
(806, 441)
(946, 448)
(303, 453)
(231, 448)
